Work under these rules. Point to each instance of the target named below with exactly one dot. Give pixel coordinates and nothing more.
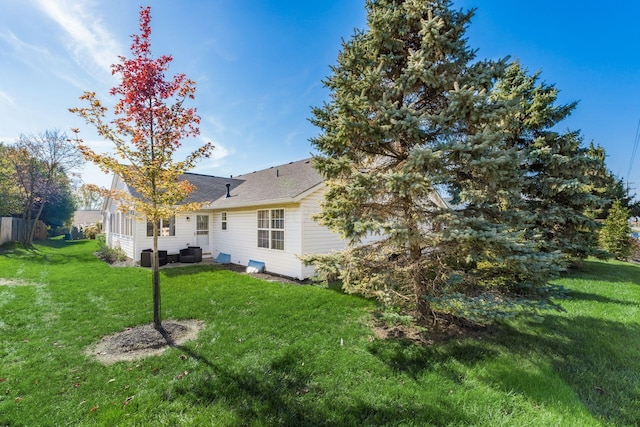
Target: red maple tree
(150, 122)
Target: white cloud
(20, 46)
(219, 152)
(216, 122)
(6, 99)
(214, 165)
(92, 46)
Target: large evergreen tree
(411, 112)
(562, 179)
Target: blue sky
(258, 65)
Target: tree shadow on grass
(187, 270)
(585, 296)
(18, 250)
(597, 270)
(59, 256)
(597, 359)
(285, 393)
(406, 357)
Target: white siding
(316, 239)
(240, 240)
(114, 238)
(185, 236)
(302, 235)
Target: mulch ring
(144, 340)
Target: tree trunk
(155, 268)
(32, 231)
(423, 307)
(26, 225)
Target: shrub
(91, 231)
(615, 235)
(109, 255)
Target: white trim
(270, 229)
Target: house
(264, 216)
(83, 218)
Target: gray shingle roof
(283, 183)
(278, 183)
(84, 217)
(208, 188)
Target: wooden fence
(11, 230)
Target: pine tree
(410, 113)
(560, 188)
(615, 234)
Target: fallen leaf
(94, 409)
(2, 380)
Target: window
(271, 229)
(263, 229)
(166, 227)
(120, 223)
(224, 220)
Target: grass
(275, 354)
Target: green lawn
(276, 354)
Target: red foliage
(144, 91)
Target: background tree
(411, 113)
(87, 197)
(616, 233)
(9, 191)
(38, 162)
(149, 125)
(611, 187)
(61, 204)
